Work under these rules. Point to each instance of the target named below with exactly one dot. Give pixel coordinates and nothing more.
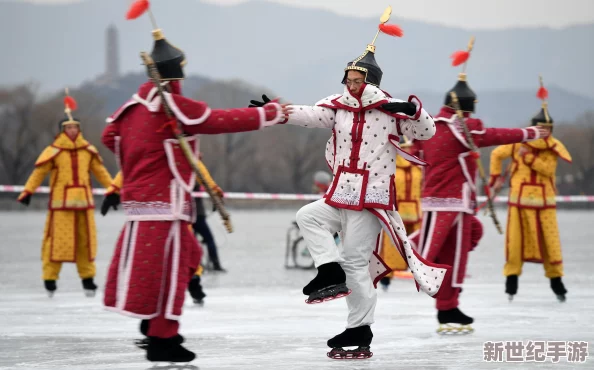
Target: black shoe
(359, 337)
(196, 291)
(89, 287)
(454, 316)
(167, 350)
(511, 286)
(385, 282)
(558, 288)
(144, 342)
(50, 287)
(329, 274)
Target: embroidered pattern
(133, 208)
(351, 199)
(377, 197)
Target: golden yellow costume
(69, 234)
(532, 233)
(408, 179)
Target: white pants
(318, 223)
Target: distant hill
(299, 53)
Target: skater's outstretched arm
(498, 155)
(43, 166)
(415, 122)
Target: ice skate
(167, 350)
(454, 322)
(50, 287)
(195, 289)
(354, 337)
(511, 286)
(329, 284)
(89, 287)
(558, 288)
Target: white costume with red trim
(362, 156)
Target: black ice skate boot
(196, 291)
(329, 284)
(558, 288)
(511, 286)
(167, 350)
(89, 287)
(385, 282)
(354, 337)
(50, 287)
(144, 342)
(454, 321)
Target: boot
(385, 282)
(360, 337)
(167, 350)
(89, 287)
(143, 343)
(558, 288)
(511, 286)
(196, 291)
(328, 274)
(454, 321)
(50, 287)
(329, 284)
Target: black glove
(26, 200)
(111, 200)
(256, 103)
(402, 107)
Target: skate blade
(89, 293)
(561, 298)
(199, 302)
(50, 294)
(326, 299)
(510, 297)
(355, 354)
(454, 329)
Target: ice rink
(255, 316)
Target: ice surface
(255, 316)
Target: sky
(469, 14)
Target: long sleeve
(543, 164)
(421, 125)
(117, 184)
(501, 136)
(312, 116)
(108, 137)
(36, 178)
(498, 155)
(100, 172)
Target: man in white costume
(366, 123)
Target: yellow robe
(408, 180)
(69, 234)
(118, 184)
(532, 233)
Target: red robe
(449, 229)
(156, 254)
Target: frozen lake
(255, 316)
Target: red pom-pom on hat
(391, 30)
(138, 8)
(459, 57)
(543, 93)
(70, 103)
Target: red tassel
(459, 57)
(138, 8)
(543, 93)
(391, 29)
(70, 103)
(475, 155)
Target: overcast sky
(460, 13)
